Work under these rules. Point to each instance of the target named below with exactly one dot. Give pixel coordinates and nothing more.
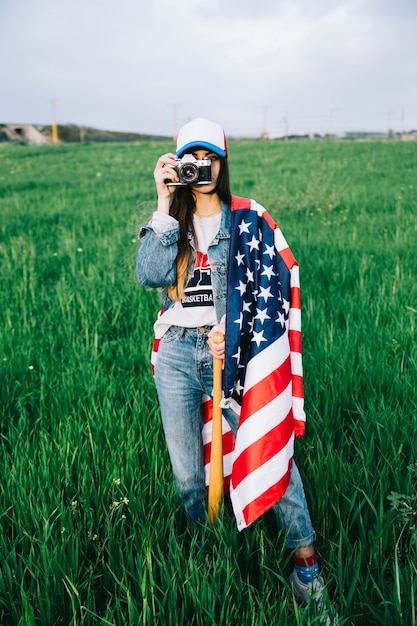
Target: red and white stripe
(228, 443)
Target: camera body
(192, 171)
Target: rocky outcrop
(24, 133)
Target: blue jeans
(183, 373)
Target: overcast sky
(149, 66)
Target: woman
(185, 250)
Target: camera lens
(188, 173)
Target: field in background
(91, 531)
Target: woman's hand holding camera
(164, 171)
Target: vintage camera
(192, 171)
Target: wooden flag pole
(215, 493)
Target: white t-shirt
(197, 308)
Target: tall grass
(91, 530)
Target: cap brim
(201, 144)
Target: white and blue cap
(202, 133)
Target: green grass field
(91, 531)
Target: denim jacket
(155, 263)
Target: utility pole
(285, 120)
(331, 113)
(174, 122)
(55, 139)
(389, 129)
(264, 122)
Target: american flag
(263, 370)
(263, 378)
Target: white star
(258, 263)
(285, 306)
(239, 387)
(253, 243)
(237, 355)
(244, 227)
(269, 250)
(239, 321)
(266, 293)
(268, 271)
(241, 288)
(239, 258)
(258, 337)
(262, 315)
(249, 275)
(246, 307)
(281, 319)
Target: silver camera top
(192, 171)
(190, 158)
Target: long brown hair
(182, 208)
